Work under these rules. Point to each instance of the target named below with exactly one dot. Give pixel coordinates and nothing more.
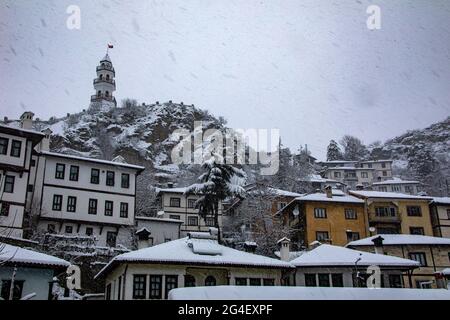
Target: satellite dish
(296, 212)
(372, 229)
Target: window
(95, 176)
(395, 281)
(119, 291)
(174, 216)
(352, 236)
(192, 221)
(71, 204)
(60, 169)
(189, 281)
(385, 211)
(30, 188)
(396, 188)
(364, 174)
(111, 239)
(124, 210)
(255, 282)
(92, 206)
(310, 280)
(268, 282)
(322, 235)
(108, 208)
(369, 166)
(414, 211)
(281, 205)
(384, 173)
(383, 189)
(74, 171)
(320, 213)
(448, 214)
(420, 257)
(175, 202)
(408, 189)
(16, 146)
(139, 286)
(51, 228)
(108, 292)
(155, 287)
(110, 178)
(125, 182)
(210, 222)
(417, 230)
(17, 291)
(4, 209)
(57, 202)
(4, 146)
(171, 283)
(324, 280)
(337, 174)
(69, 229)
(9, 184)
(423, 284)
(33, 163)
(191, 203)
(89, 231)
(210, 281)
(241, 281)
(337, 280)
(350, 214)
(383, 165)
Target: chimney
(26, 120)
(45, 143)
(284, 250)
(378, 243)
(5, 119)
(170, 185)
(329, 192)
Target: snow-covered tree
(354, 149)
(218, 182)
(333, 151)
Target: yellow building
(331, 217)
(396, 213)
(432, 253)
(440, 216)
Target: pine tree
(333, 151)
(218, 182)
(354, 149)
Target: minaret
(104, 84)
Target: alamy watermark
(230, 146)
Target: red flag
(110, 46)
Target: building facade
(440, 216)
(432, 253)
(180, 206)
(152, 231)
(16, 147)
(399, 186)
(395, 213)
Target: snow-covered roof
(119, 164)
(323, 197)
(395, 180)
(18, 255)
(197, 252)
(404, 239)
(328, 255)
(339, 161)
(318, 178)
(305, 293)
(446, 272)
(387, 195)
(441, 200)
(284, 193)
(158, 219)
(34, 135)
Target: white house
(398, 185)
(180, 206)
(85, 196)
(333, 266)
(197, 260)
(152, 231)
(16, 146)
(29, 271)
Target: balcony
(100, 97)
(110, 81)
(106, 67)
(373, 217)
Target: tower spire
(104, 83)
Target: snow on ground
(305, 293)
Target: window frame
(125, 183)
(110, 178)
(4, 207)
(309, 277)
(173, 284)
(60, 175)
(123, 213)
(139, 293)
(14, 148)
(239, 281)
(10, 181)
(74, 176)
(410, 212)
(175, 199)
(93, 177)
(320, 213)
(4, 146)
(423, 263)
(322, 232)
(91, 200)
(189, 219)
(107, 210)
(57, 205)
(421, 233)
(350, 217)
(191, 203)
(71, 204)
(158, 291)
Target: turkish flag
(110, 46)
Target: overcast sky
(311, 68)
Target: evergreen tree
(218, 182)
(333, 151)
(354, 149)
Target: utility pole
(11, 287)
